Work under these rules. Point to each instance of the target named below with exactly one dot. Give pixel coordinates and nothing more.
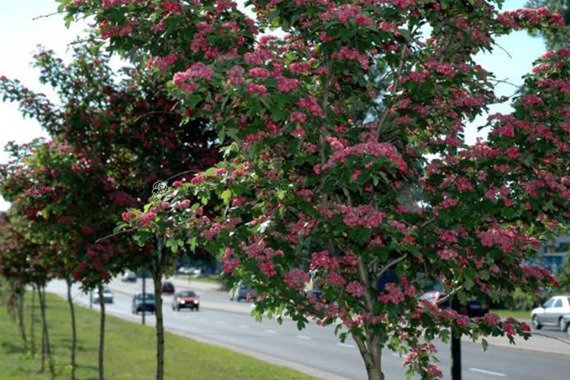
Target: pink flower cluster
(361, 216)
(286, 85)
(147, 218)
(296, 279)
(392, 294)
(532, 17)
(348, 54)
(322, 260)
(311, 105)
(355, 289)
(185, 80)
(372, 149)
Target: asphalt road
(316, 348)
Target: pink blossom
(287, 84)
(147, 218)
(296, 279)
(355, 289)
(256, 89)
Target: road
(315, 349)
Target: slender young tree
(308, 193)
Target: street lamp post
(143, 296)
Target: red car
(167, 288)
(186, 299)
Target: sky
(25, 24)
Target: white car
(107, 296)
(552, 313)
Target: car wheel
(562, 325)
(536, 323)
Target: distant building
(552, 254)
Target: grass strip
(517, 314)
(130, 351)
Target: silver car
(553, 312)
(107, 296)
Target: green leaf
(226, 196)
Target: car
(552, 313)
(186, 299)
(317, 294)
(189, 270)
(107, 296)
(129, 277)
(473, 307)
(142, 302)
(242, 292)
(167, 288)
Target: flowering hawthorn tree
(26, 260)
(309, 193)
(118, 134)
(67, 208)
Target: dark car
(167, 288)
(186, 299)
(140, 303)
(473, 307)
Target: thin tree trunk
(73, 347)
(20, 313)
(157, 279)
(33, 323)
(371, 353)
(46, 351)
(101, 333)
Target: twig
(448, 296)
(391, 264)
(113, 235)
(45, 16)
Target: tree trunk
(157, 279)
(371, 353)
(20, 313)
(101, 333)
(46, 348)
(32, 323)
(73, 328)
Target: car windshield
(187, 294)
(146, 296)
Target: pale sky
(20, 34)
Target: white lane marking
(222, 322)
(304, 337)
(243, 327)
(271, 331)
(499, 374)
(346, 345)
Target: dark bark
(101, 333)
(371, 353)
(33, 323)
(157, 280)
(46, 347)
(20, 314)
(73, 347)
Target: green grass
(518, 314)
(129, 353)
